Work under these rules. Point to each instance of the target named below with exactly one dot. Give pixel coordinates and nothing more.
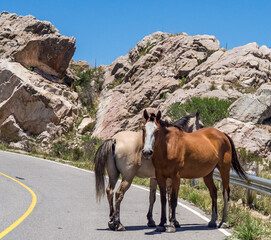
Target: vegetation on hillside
(211, 109)
(89, 87)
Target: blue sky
(105, 30)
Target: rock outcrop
(255, 108)
(35, 44)
(34, 102)
(31, 105)
(163, 69)
(155, 66)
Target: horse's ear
(146, 115)
(158, 116)
(197, 113)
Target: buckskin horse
(122, 154)
(177, 154)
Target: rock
(35, 43)
(85, 125)
(241, 68)
(37, 104)
(79, 66)
(247, 135)
(50, 54)
(254, 108)
(10, 131)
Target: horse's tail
(101, 156)
(235, 162)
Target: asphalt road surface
(66, 206)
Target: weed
(141, 181)
(164, 95)
(146, 50)
(116, 82)
(247, 156)
(182, 82)
(30, 68)
(249, 228)
(88, 87)
(213, 87)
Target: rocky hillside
(35, 105)
(163, 69)
(45, 95)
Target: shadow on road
(186, 227)
(128, 228)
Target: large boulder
(32, 105)
(254, 108)
(49, 54)
(253, 138)
(35, 44)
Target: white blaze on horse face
(149, 136)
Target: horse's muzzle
(147, 153)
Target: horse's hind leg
(113, 175)
(225, 176)
(209, 182)
(152, 198)
(110, 197)
(124, 186)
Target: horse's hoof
(120, 228)
(171, 229)
(160, 229)
(177, 224)
(212, 224)
(223, 225)
(151, 223)
(111, 225)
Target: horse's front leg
(162, 185)
(169, 192)
(173, 202)
(152, 197)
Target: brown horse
(122, 154)
(177, 154)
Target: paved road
(66, 206)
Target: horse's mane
(180, 123)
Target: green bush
(81, 156)
(211, 109)
(89, 87)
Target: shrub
(89, 86)
(249, 228)
(90, 146)
(211, 109)
(82, 156)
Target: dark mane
(180, 123)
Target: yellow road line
(25, 215)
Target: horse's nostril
(147, 153)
